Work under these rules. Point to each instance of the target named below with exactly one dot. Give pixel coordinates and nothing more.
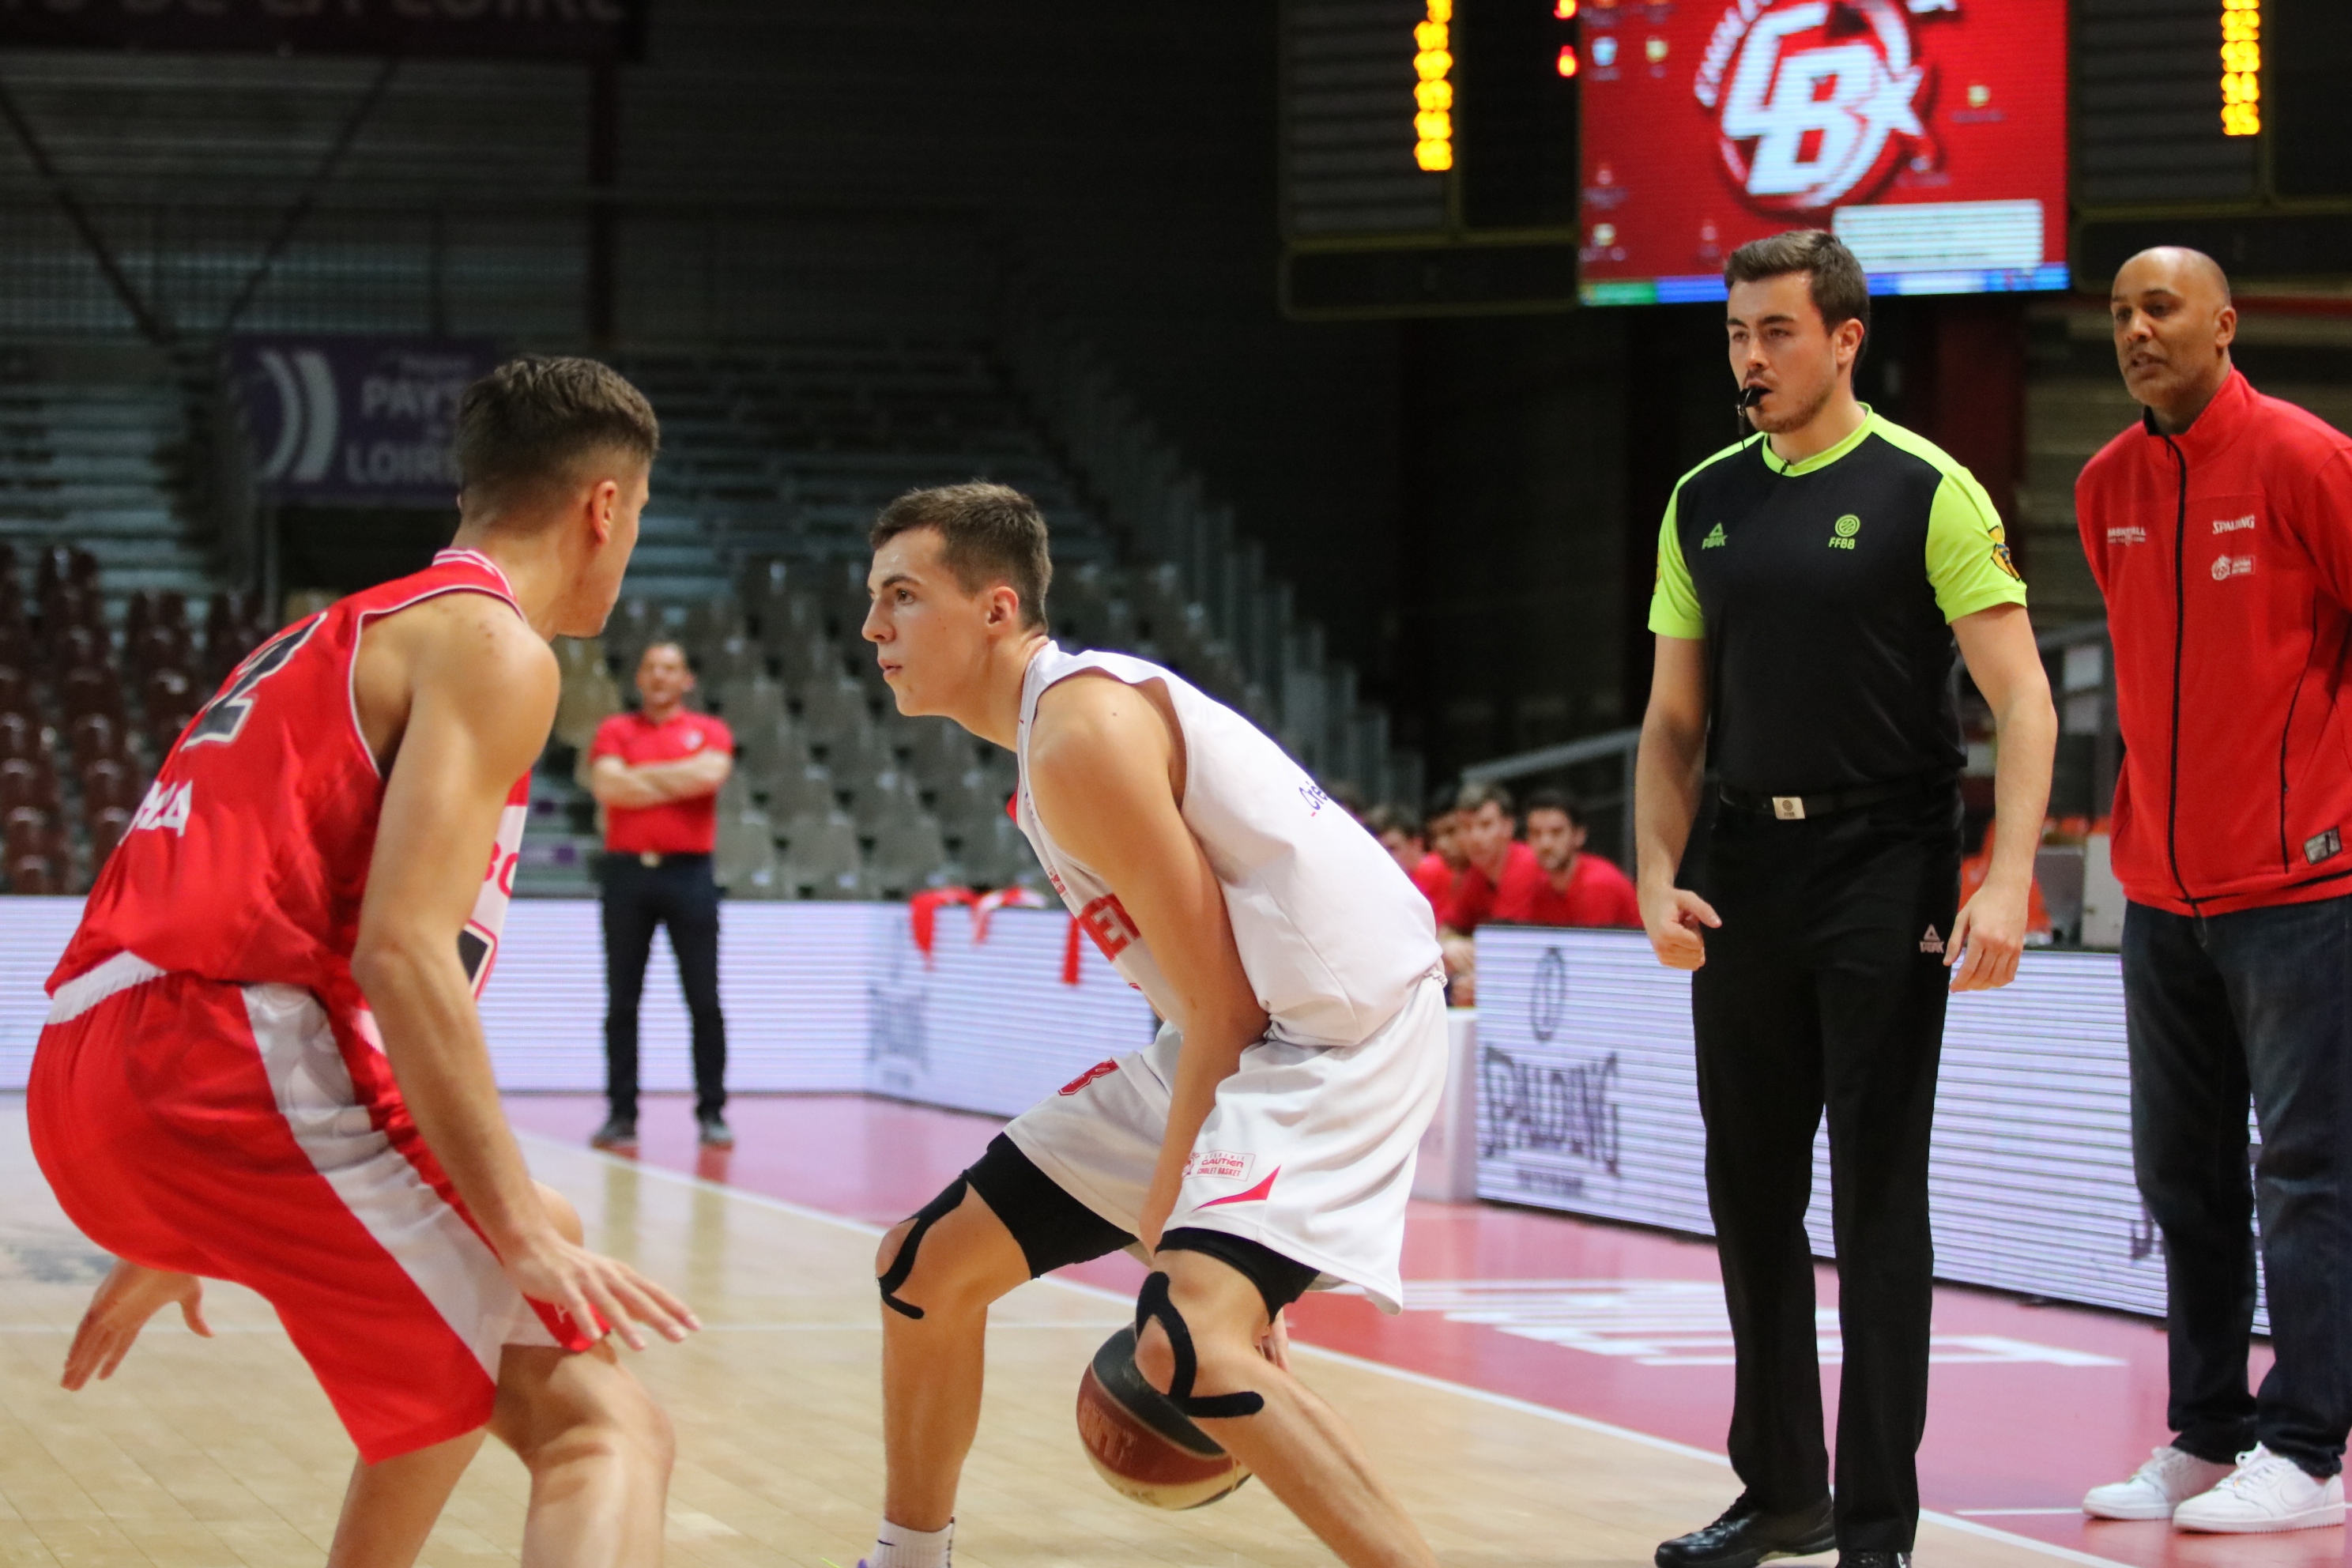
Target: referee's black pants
(680, 894)
(1824, 987)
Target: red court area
(2031, 1405)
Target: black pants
(2217, 1009)
(678, 893)
(1824, 987)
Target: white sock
(895, 1546)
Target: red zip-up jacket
(2225, 554)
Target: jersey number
(221, 719)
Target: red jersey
(675, 827)
(1435, 877)
(1471, 903)
(247, 859)
(2225, 554)
(1598, 894)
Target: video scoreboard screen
(1930, 135)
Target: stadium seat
(822, 859)
(89, 689)
(750, 703)
(711, 622)
(854, 749)
(940, 751)
(75, 645)
(807, 657)
(745, 860)
(27, 782)
(15, 691)
(768, 750)
(106, 781)
(20, 735)
(797, 792)
(910, 857)
(728, 660)
(995, 855)
(882, 802)
(589, 695)
(32, 875)
(94, 736)
(105, 830)
(830, 706)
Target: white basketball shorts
(1308, 1151)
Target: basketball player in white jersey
(1264, 1144)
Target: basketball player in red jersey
(264, 1062)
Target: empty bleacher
(753, 557)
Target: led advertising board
(1588, 1101)
(1930, 135)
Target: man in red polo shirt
(1485, 835)
(656, 772)
(1573, 887)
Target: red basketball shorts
(238, 1133)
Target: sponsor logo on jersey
(2128, 533)
(2228, 566)
(1814, 103)
(1100, 1069)
(165, 806)
(1312, 793)
(2323, 846)
(1714, 539)
(1106, 922)
(2232, 525)
(1256, 1194)
(1219, 1164)
(1842, 531)
(1931, 942)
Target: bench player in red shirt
(1567, 885)
(264, 1062)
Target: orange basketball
(1143, 1445)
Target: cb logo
(1813, 102)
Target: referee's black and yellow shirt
(1825, 590)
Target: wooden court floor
(224, 1453)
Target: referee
(1810, 584)
(656, 772)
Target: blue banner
(356, 420)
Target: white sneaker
(2168, 1478)
(2266, 1491)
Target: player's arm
(481, 694)
(1101, 770)
(1668, 771)
(2006, 663)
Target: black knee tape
(1154, 1305)
(929, 1214)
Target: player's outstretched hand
(129, 1296)
(595, 1289)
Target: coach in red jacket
(2219, 527)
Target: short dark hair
(987, 533)
(1478, 792)
(1840, 287)
(1558, 800)
(533, 417)
(1383, 820)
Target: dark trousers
(1824, 989)
(678, 893)
(2217, 1008)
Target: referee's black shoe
(1746, 1535)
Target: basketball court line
(1956, 1523)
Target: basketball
(1140, 1443)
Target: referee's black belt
(650, 859)
(1805, 807)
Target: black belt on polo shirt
(1805, 807)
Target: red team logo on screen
(1815, 100)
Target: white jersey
(1333, 937)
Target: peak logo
(1814, 100)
